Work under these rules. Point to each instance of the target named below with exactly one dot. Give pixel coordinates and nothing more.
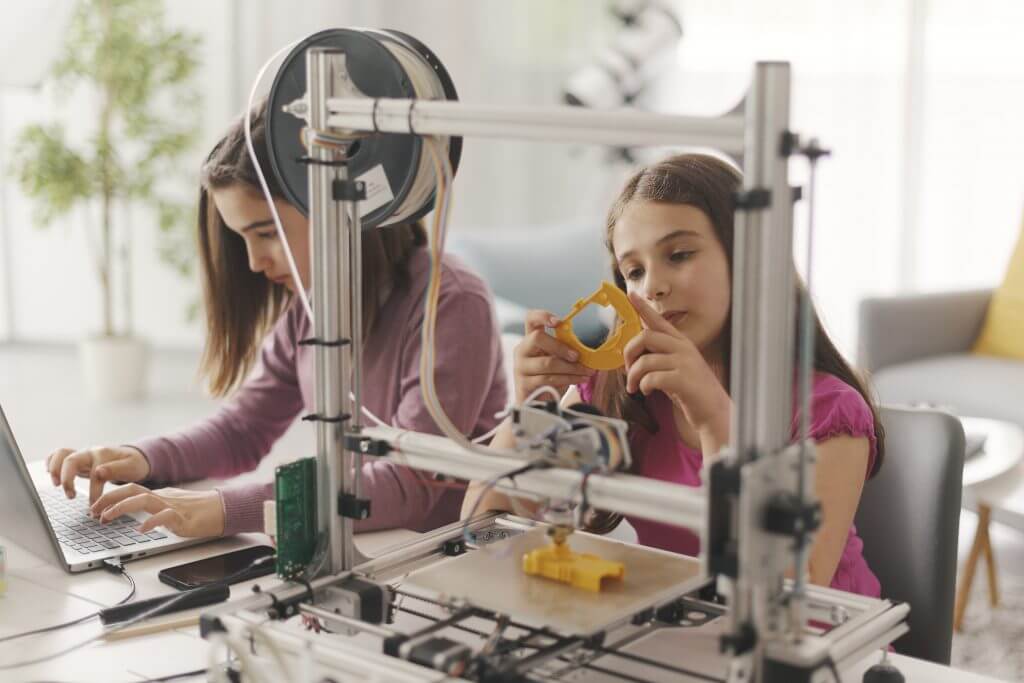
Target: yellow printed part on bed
(581, 570)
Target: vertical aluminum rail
(356, 266)
(331, 261)
(763, 283)
(762, 317)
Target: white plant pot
(114, 367)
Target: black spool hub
(376, 72)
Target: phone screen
(218, 567)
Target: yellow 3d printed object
(581, 570)
(608, 356)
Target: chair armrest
(899, 329)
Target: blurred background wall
(921, 101)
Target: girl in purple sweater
(670, 237)
(254, 323)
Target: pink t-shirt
(836, 409)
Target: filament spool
(381, 63)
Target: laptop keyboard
(76, 529)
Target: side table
(994, 487)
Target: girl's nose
(258, 260)
(655, 289)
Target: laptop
(40, 518)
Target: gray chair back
(547, 267)
(909, 520)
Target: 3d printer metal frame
(855, 625)
(765, 617)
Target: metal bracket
(352, 507)
(348, 190)
(355, 443)
(723, 489)
(753, 199)
(785, 515)
(740, 643)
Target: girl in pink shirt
(670, 238)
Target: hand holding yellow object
(608, 356)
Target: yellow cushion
(1003, 331)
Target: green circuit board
(295, 495)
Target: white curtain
(922, 103)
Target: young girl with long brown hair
(255, 321)
(670, 238)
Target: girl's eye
(680, 256)
(267, 235)
(634, 274)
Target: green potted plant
(120, 55)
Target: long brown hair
(708, 184)
(241, 306)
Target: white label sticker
(378, 190)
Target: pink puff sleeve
(837, 409)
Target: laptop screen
(22, 517)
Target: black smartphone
(219, 567)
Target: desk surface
(40, 595)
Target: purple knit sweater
(470, 382)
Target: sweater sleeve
(242, 431)
(467, 357)
(243, 507)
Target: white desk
(40, 595)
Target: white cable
(487, 435)
(546, 389)
(437, 239)
(367, 413)
(299, 289)
(427, 86)
(502, 414)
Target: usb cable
(114, 566)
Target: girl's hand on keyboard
(100, 465)
(185, 513)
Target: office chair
(909, 520)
